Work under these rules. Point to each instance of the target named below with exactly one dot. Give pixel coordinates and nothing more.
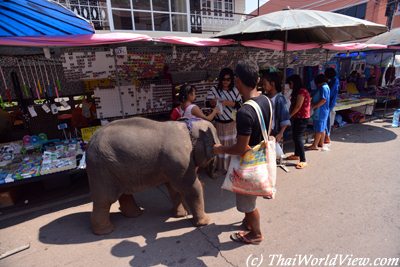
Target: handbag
(254, 172)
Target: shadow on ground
(375, 132)
(152, 230)
(159, 247)
(153, 199)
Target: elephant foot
(103, 229)
(179, 213)
(204, 220)
(128, 206)
(131, 213)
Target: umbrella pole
(284, 60)
(280, 161)
(387, 89)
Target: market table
(347, 103)
(22, 164)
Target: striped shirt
(221, 95)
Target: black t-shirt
(247, 123)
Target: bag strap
(260, 116)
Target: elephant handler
(248, 134)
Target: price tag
(62, 126)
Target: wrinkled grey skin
(130, 155)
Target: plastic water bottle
(396, 115)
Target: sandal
(310, 148)
(241, 238)
(301, 165)
(245, 226)
(293, 157)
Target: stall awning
(195, 41)
(39, 18)
(278, 45)
(76, 40)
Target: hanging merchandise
(49, 93)
(34, 83)
(43, 82)
(17, 86)
(8, 93)
(32, 112)
(27, 78)
(54, 109)
(58, 80)
(24, 86)
(46, 108)
(37, 79)
(54, 81)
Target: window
(357, 11)
(228, 8)
(179, 23)
(218, 8)
(141, 4)
(206, 7)
(121, 3)
(122, 20)
(150, 15)
(143, 21)
(178, 6)
(161, 22)
(160, 5)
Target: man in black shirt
(248, 134)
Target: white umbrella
(391, 38)
(303, 26)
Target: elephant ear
(208, 142)
(206, 135)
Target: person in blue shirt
(333, 83)
(320, 106)
(271, 84)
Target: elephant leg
(178, 209)
(128, 206)
(194, 198)
(100, 218)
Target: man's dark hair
(330, 73)
(274, 77)
(320, 79)
(247, 72)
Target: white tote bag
(254, 172)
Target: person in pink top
(300, 114)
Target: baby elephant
(130, 155)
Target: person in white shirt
(227, 97)
(187, 96)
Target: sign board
(88, 132)
(121, 51)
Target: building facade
(378, 11)
(160, 17)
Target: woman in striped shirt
(226, 96)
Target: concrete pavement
(346, 202)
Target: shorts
(245, 203)
(319, 126)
